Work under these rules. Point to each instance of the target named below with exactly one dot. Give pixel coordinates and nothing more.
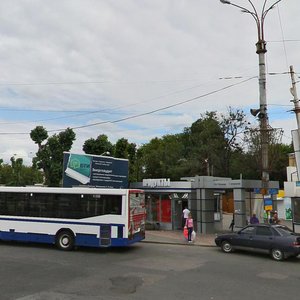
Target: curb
(178, 244)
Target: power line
(93, 82)
(282, 34)
(115, 82)
(106, 110)
(284, 40)
(142, 114)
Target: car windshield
(284, 230)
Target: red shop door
(166, 210)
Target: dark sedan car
(277, 240)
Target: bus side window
(3, 208)
(69, 206)
(113, 204)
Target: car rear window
(283, 230)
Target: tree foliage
(98, 146)
(49, 156)
(16, 174)
(224, 145)
(204, 142)
(161, 157)
(215, 144)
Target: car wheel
(277, 254)
(226, 247)
(65, 240)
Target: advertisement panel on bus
(137, 215)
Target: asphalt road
(143, 271)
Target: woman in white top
(185, 215)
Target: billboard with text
(94, 171)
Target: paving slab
(177, 237)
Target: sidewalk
(177, 238)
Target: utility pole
(293, 91)
(296, 133)
(262, 112)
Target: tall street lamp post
(262, 112)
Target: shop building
(292, 191)
(203, 195)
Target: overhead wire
(109, 110)
(141, 114)
(282, 34)
(102, 110)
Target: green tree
(121, 148)
(17, 174)
(208, 147)
(38, 135)
(277, 153)
(49, 156)
(163, 157)
(17, 165)
(278, 165)
(124, 149)
(204, 146)
(6, 175)
(233, 125)
(98, 146)
(152, 159)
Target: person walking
(254, 219)
(189, 223)
(231, 226)
(275, 218)
(185, 215)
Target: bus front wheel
(65, 240)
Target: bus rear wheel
(65, 240)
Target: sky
(137, 69)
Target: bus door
(105, 235)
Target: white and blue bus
(69, 217)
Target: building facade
(203, 195)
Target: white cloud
(131, 57)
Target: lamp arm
(253, 14)
(265, 12)
(271, 7)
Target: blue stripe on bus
(88, 240)
(27, 237)
(81, 239)
(58, 222)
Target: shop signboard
(288, 209)
(296, 210)
(157, 182)
(269, 191)
(268, 203)
(94, 171)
